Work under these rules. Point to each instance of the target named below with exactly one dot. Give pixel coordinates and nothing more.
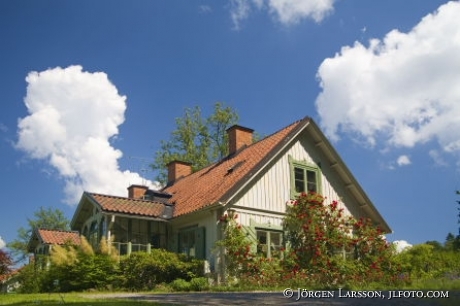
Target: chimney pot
(238, 137)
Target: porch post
(130, 247)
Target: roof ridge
(216, 182)
(229, 156)
(121, 197)
(279, 130)
(57, 230)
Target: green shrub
(199, 284)
(181, 285)
(143, 271)
(30, 279)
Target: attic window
(305, 177)
(305, 180)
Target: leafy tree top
(49, 218)
(198, 140)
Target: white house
(256, 180)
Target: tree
(197, 140)
(5, 263)
(48, 218)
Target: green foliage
(423, 262)
(5, 262)
(327, 249)
(333, 248)
(30, 279)
(199, 284)
(180, 285)
(195, 284)
(143, 271)
(49, 218)
(242, 266)
(78, 268)
(237, 247)
(197, 140)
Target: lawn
(73, 299)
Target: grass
(73, 299)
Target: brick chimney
(137, 191)
(238, 137)
(178, 169)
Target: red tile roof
(58, 237)
(128, 205)
(218, 181)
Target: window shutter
(200, 243)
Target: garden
(326, 249)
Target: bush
(141, 271)
(199, 284)
(195, 284)
(30, 279)
(180, 285)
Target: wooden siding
(271, 191)
(207, 219)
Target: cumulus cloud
(2, 243)
(401, 245)
(399, 91)
(285, 11)
(403, 160)
(73, 115)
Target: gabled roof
(219, 183)
(119, 205)
(129, 206)
(47, 236)
(52, 237)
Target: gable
(52, 237)
(273, 186)
(228, 181)
(216, 183)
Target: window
(269, 243)
(304, 178)
(192, 242)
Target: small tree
(49, 218)
(197, 140)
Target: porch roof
(130, 206)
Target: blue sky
(90, 88)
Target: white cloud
(403, 160)
(239, 10)
(205, 9)
(400, 91)
(437, 158)
(401, 245)
(73, 115)
(2, 243)
(285, 11)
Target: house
(43, 240)
(256, 181)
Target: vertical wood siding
(271, 192)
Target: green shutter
(252, 236)
(200, 243)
